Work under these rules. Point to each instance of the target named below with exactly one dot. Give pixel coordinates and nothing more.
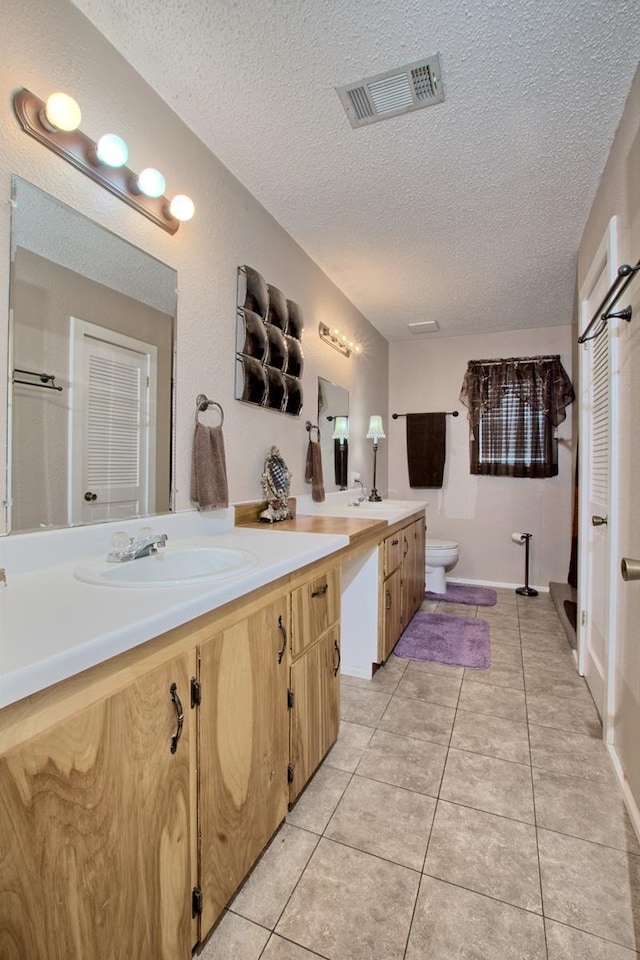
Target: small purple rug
(439, 638)
(461, 593)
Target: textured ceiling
(469, 213)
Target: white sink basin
(171, 567)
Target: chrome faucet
(124, 547)
(362, 497)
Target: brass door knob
(630, 569)
(597, 521)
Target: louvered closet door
(596, 590)
(112, 425)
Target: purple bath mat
(462, 593)
(439, 638)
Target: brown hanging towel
(209, 488)
(313, 471)
(426, 453)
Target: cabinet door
(243, 733)
(419, 559)
(392, 597)
(315, 715)
(392, 553)
(314, 608)
(94, 834)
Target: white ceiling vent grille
(424, 326)
(407, 88)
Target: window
(515, 406)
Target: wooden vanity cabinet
(314, 691)
(95, 831)
(243, 749)
(401, 583)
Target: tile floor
(462, 815)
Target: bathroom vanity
(140, 788)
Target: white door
(596, 521)
(112, 425)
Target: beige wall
(481, 513)
(64, 51)
(619, 195)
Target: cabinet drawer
(392, 552)
(314, 608)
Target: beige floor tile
(421, 668)
(556, 684)
(451, 922)
(444, 690)
(533, 658)
(565, 943)
(491, 855)
(508, 654)
(265, 894)
(404, 761)
(280, 949)
(499, 675)
(576, 716)
(351, 906)
(591, 887)
(384, 820)
(585, 809)
(495, 701)
(507, 633)
(416, 718)
(491, 736)
(315, 806)
(362, 706)
(384, 680)
(349, 747)
(573, 754)
(235, 937)
(485, 783)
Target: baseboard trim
(627, 796)
(495, 583)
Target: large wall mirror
(333, 421)
(91, 359)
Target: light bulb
(181, 207)
(62, 112)
(112, 150)
(151, 183)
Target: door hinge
(196, 692)
(289, 773)
(583, 618)
(290, 698)
(196, 902)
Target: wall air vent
(424, 326)
(407, 88)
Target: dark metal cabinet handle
(177, 703)
(406, 547)
(283, 631)
(321, 591)
(394, 543)
(388, 603)
(337, 665)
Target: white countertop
(340, 505)
(52, 626)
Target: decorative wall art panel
(269, 358)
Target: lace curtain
(507, 437)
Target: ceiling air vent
(424, 326)
(407, 88)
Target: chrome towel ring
(203, 403)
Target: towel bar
(447, 413)
(203, 403)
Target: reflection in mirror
(333, 421)
(98, 315)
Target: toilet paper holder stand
(526, 591)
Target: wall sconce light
(339, 341)
(56, 124)
(375, 433)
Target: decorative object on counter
(465, 593)
(313, 468)
(269, 356)
(340, 437)
(276, 485)
(209, 488)
(56, 125)
(375, 433)
(339, 341)
(440, 638)
(525, 538)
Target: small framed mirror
(276, 484)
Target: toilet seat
(441, 545)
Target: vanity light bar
(80, 151)
(339, 341)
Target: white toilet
(439, 554)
